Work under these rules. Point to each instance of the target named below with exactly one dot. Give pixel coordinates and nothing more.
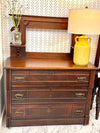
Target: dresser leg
(8, 122)
(86, 120)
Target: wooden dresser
(48, 91)
(46, 88)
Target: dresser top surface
(29, 63)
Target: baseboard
(2, 115)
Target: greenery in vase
(15, 8)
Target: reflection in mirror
(46, 40)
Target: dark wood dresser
(46, 88)
(48, 91)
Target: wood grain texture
(8, 98)
(41, 22)
(17, 50)
(38, 122)
(48, 111)
(49, 101)
(59, 64)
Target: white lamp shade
(84, 21)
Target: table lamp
(83, 21)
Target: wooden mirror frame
(39, 22)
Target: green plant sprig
(15, 8)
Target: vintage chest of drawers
(47, 92)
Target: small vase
(16, 37)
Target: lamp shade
(84, 21)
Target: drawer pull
(79, 111)
(19, 95)
(81, 78)
(80, 94)
(19, 112)
(18, 78)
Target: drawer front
(29, 95)
(50, 78)
(48, 111)
(48, 72)
(58, 94)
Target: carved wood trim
(38, 22)
(41, 22)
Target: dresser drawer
(33, 95)
(47, 78)
(58, 94)
(48, 111)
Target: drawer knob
(18, 78)
(78, 111)
(81, 78)
(19, 95)
(80, 94)
(19, 112)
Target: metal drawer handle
(19, 112)
(79, 111)
(80, 94)
(19, 95)
(81, 78)
(18, 78)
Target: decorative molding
(26, 23)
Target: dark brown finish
(46, 88)
(48, 93)
(8, 98)
(45, 63)
(48, 111)
(41, 22)
(37, 55)
(37, 122)
(17, 50)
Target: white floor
(93, 127)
